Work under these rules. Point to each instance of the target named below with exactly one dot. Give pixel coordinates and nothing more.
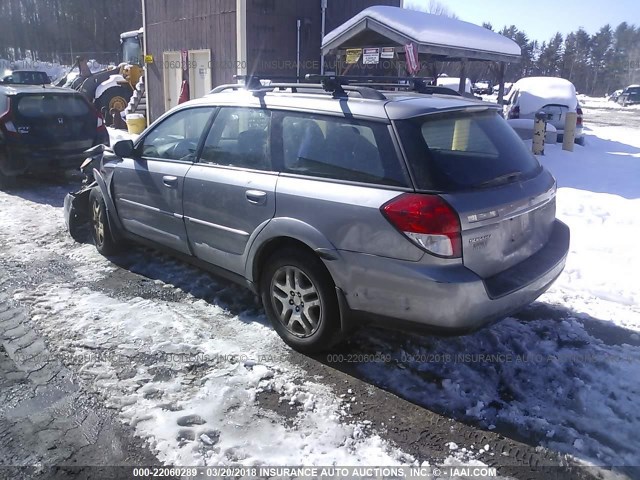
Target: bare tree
(432, 6)
(57, 30)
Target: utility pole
(323, 7)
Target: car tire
(580, 141)
(100, 228)
(115, 97)
(289, 280)
(6, 181)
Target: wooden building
(207, 42)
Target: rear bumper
(19, 160)
(411, 295)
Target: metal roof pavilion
(442, 38)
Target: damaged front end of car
(76, 204)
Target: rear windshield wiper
(506, 178)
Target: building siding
(175, 25)
(189, 25)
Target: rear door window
(463, 150)
(338, 148)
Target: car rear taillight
(428, 221)
(514, 112)
(5, 119)
(100, 123)
(6, 108)
(100, 126)
(579, 119)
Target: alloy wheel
(98, 223)
(296, 301)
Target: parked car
(45, 129)
(354, 205)
(507, 88)
(454, 83)
(551, 95)
(482, 87)
(629, 96)
(26, 77)
(614, 96)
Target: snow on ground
(599, 197)
(53, 69)
(602, 102)
(215, 421)
(565, 371)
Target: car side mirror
(124, 148)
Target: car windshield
(462, 150)
(131, 51)
(48, 105)
(28, 78)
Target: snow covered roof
(132, 33)
(433, 34)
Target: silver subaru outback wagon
(340, 207)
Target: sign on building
(371, 56)
(387, 52)
(353, 55)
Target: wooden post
(463, 76)
(539, 131)
(501, 83)
(569, 131)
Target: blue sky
(541, 19)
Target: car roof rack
(338, 86)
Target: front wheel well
(272, 246)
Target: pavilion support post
(463, 76)
(501, 83)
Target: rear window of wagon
(457, 151)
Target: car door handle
(170, 181)
(256, 197)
